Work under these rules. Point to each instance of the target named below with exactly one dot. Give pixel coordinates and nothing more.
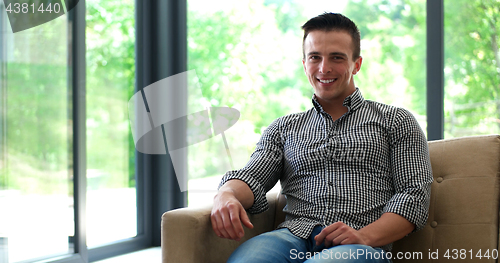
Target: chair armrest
(187, 234)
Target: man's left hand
(340, 234)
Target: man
(356, 174)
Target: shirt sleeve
(412, 172)
(264, 168)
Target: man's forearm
(240, 190)
(388, 228)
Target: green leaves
(472, 65)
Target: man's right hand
(228, 213)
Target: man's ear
(304, 65)
(357, 65)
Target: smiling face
(329, 65)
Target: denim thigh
(281, 246)
(354, 253)
(276, 246)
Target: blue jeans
(282, 246)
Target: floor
(150, 255)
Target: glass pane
(393, 46)
(472, 67)
(247, 55)
(111, 189)
(36, 189)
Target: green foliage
(287, 14)
(472, 60)
(37, 157)
(243, 59)
(38, 128)
(472, 67)
(110, 44)
(393, 46)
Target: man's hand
(228, 213)
(340, 234)
(387, 229)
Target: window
(36, 169)
(49, 167)
(110, 37)
(472, 68)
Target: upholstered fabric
(464, 201)
(463, 212)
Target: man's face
(329, 66)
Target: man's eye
(314, 57)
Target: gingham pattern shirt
(372, 160)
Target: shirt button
(330, 183)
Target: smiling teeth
(327, 81)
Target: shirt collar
(352, 102)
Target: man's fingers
(227, 224)
(245, 219)
(343, 235)
(320, 238)
(219, 219)
(236, 227)
(338, 233)
(336, 238)
(332, 239)
(213, 217)
(221, 226)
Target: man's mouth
(326, 81)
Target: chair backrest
(464, 209)
(463, 213)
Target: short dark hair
(334, 22)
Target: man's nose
(325, 66)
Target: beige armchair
(463, 216)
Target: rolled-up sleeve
(264, 168)
(412, 172)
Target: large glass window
(247, 55)
(472, 67)
(36, 167)
(37, 173)
(111, 191)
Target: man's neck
(335, 109)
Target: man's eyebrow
(331, 54)
(313, 53)
(338, 54)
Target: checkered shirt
(372, 160)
